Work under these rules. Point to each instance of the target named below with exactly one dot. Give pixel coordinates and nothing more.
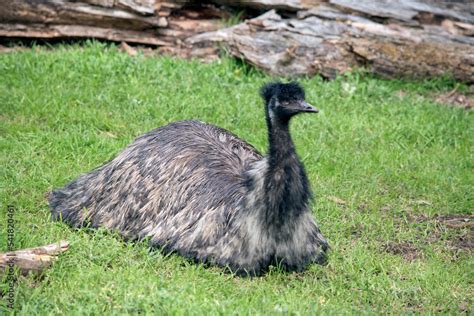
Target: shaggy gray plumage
(198, 190)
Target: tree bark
(68, 12)
(135, 21)
(328, 41)
(414, 38)
(33, 260)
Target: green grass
(381, 146)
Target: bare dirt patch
(460, 226)
(456, 99)
(405, 249)
(451, 232)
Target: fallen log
(415, 38)
(134, 21)
(68, 12)
(33, 260)
(327, 41)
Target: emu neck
(279, 139)
(284, 187)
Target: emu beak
(306, 107)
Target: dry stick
(32, 259)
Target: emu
(199, 190)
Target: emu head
(283, 100)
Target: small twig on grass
(32, 259)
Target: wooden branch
(32, 259)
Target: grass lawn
(391, 170)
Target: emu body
(196, 189)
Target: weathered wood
(124, 20)
(33, 260)
(68, 12)
(327, 41)
(290, 5)
(75, 31)
(410, 11)
(417, 38)
(134, 21)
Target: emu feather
(200, 191)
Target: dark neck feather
(279, 139)
(286, 184)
